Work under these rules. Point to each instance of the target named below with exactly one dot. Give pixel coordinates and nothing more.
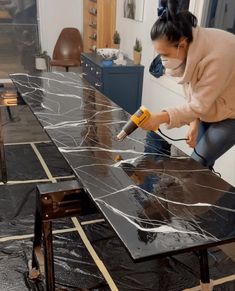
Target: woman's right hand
(192, 134)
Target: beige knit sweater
(208, 80)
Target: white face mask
(174, 66)
(171, 63)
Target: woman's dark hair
(172, 23)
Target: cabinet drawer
(95, 71)
(98, 73)
(85, 67)
(98, 85)
(91, 70)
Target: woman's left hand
(192, 134)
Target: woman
(204, 59)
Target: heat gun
(138, 118)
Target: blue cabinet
(122, 84)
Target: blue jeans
(214, 139)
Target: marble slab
(157, 200)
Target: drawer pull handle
(97, 73)
(87, 65)
(92, 69)
(98, 85)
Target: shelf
(93, 11)
(94, 26)
(95, 23)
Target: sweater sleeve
(210, 86)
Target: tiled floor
(24, 128)
(74, 265)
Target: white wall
(163, 92)
(54, 15)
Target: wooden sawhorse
(54, 200)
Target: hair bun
(163, 3)
(171, 6)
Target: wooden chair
(68, 49)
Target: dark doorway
(18, 36)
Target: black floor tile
(54, 160)
(23, 164)
(23, 128)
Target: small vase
(137, 57)
(107, 63)
(116, 46)
(41, 64)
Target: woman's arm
(215, 78)
(155, 120)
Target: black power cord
(195, 151)
(173, 139)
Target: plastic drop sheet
(74, 266)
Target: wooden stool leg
(59, 200)
(37, 254)
(48, 255)
(206, 283)
(37, 240)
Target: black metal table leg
(204, 271)
(9, 113)
(3, 163)
(2, 154)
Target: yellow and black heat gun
(138, 118)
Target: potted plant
(137, 52)
(116, 40)
(41, 60)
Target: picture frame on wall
(133, 9)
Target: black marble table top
(158, 201)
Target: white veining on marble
(84, 128)
(116, 151)
(199, 204)
(160, 229)
(215, 189)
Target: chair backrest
(69, 45)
